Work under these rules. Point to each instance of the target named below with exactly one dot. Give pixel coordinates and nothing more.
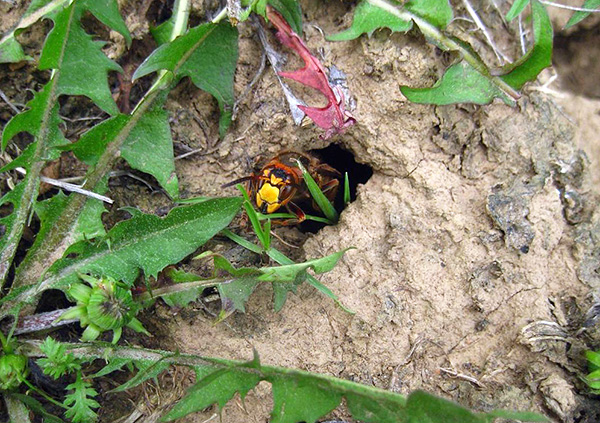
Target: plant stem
(45, 395)
(180, 287)
(5, 345)
(435, 33)
(181, 12)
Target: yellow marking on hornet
(268, 194)
(275, 180)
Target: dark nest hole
(342, 160)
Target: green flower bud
(13, 370)
(104, 304)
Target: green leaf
(37, 407)
(367, 18)
(299, 399)
(80, 402)
(317, 195)
(238, 291)
(107, 12)
(83, 66)
(148, 146)
(461, 83)
(366, 406)
(297, 271)
(291, 12)
(113, 365)
(11, 51)
(213, 386)
(422, 407)
(528, 67)
(162, 32)
(42, 121)
(57, 362)
(593, 359)
(579, 16)
(436, 12)
(146, 370)
(346, 189)
(208, 55)
(524, 416)
(515, 10)
(145, 242)
(88, 226)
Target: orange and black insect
(280, 183)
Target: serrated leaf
(579, 16)
(181, 299)
(208, 55)
(88, 226)
(146, 242)
(40, 120)
(528, 67)
(107, 12)
(80, 402)
(213, 386)
(11, 51)
(297, 271)
(146, 370)
(82, 65)
(367, 18)
(112, 366)
(291, 399)
(57, 362)
(515, 10)
(148, 146)
(461, 83)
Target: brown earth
(476, 238)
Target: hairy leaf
(144, 242)
(219, 379)
(42, 121)
(460, 83)
(90, 222)
(579, 16)
(146, 370)
(148, 146)
(528, 67)
(148, 242)
(208, 55)
(291, 399)
(213, 386)
(82, 64)
(515, 10)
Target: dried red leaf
(334, 118)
